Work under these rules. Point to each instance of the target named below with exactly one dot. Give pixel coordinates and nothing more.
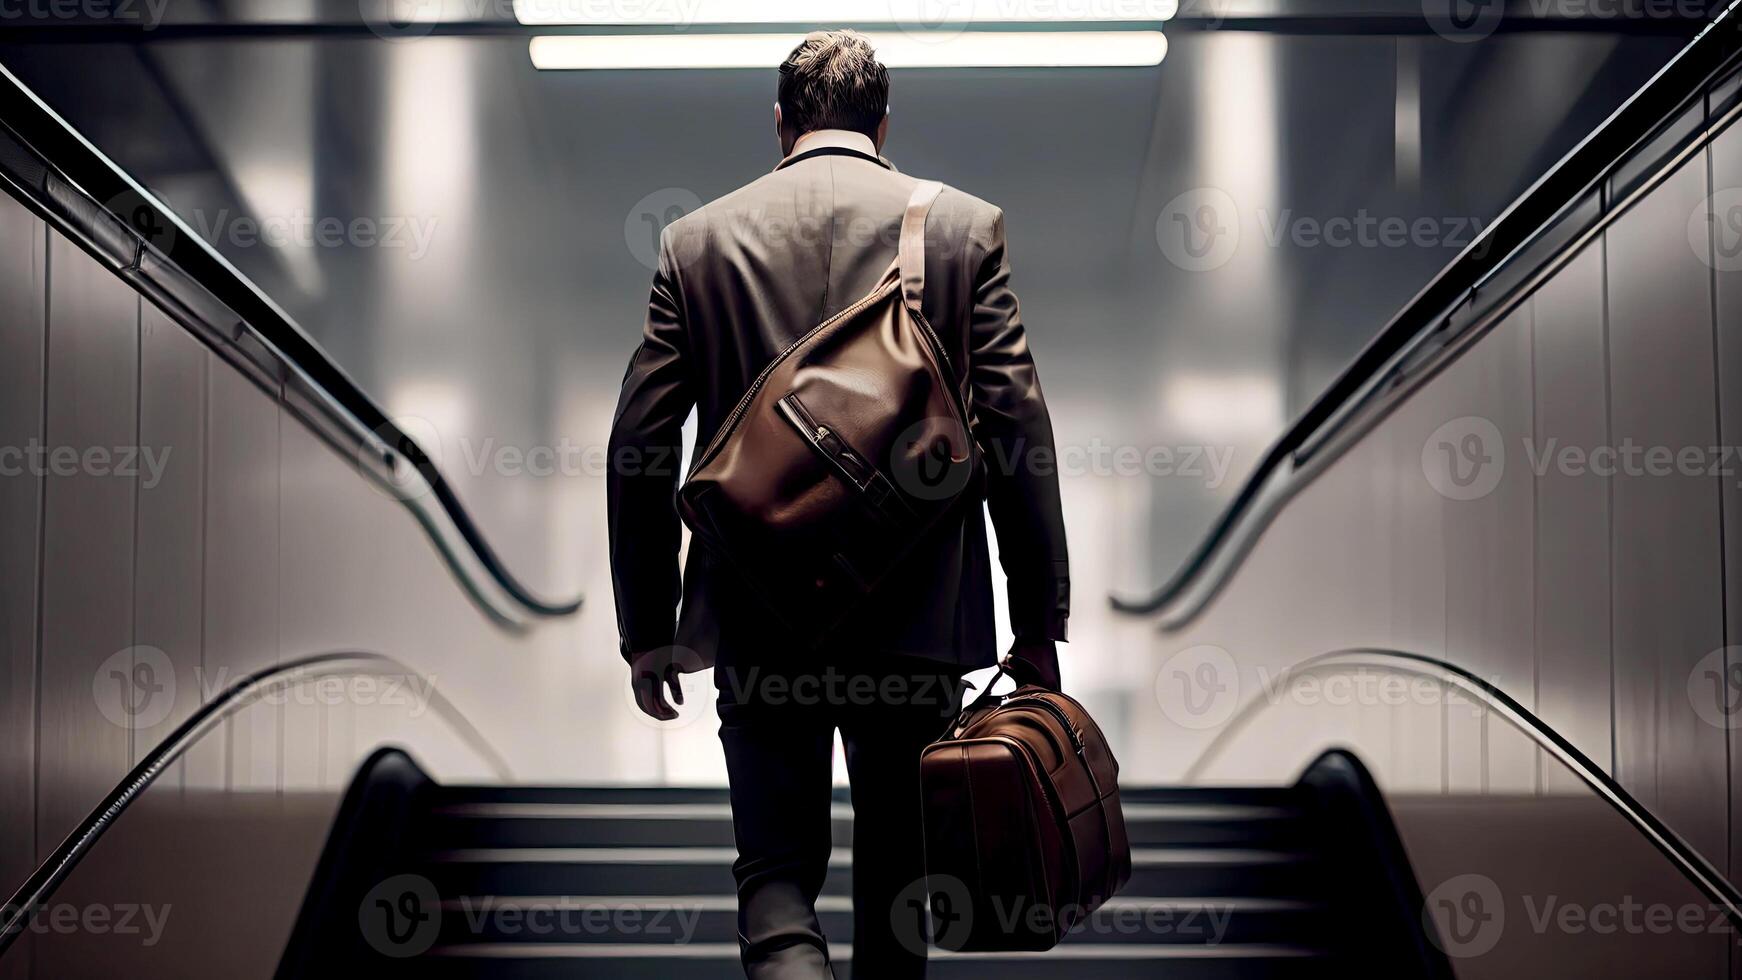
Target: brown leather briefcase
(1024, 835)
(845, 449)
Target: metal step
(709, 824)
(1207, 871)
(683, 920)
(518, 961)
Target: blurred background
(487, 229)
(1435, 667)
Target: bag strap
(910, 255)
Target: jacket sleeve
(1015, 432)
(643, 465)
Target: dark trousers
(778, 726)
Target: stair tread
(842, 951)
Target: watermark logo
(1198, 687)
(135, 688)
(1715, 230)
(1465, 916)
(401, 20)
(404, 480)
(649, 219)
(937, 910)
(1200, 229)
(145, 219)
(1465, 458)
(688, 668)
(1715, 688)
(932, 21)
(401, 916)
(1463, 21)
(930, 459)
(1205, 14)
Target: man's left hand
(652, 672)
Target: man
(737, 282)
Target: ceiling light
(1001, 49)
(918, 14)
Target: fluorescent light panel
(1001, 49)
(907, 13)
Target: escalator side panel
(1668, 611)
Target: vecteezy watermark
(936, 910)
(302, 229)
(1198, 687)
(687, 668)
(145, 14)
(1715, 688)
(1463, 21)
(136, 689)
(1201, 687)
(836, 688)
(1201, 230)
(1366, 230)
(69, 919)
(1465, 458)
(1466, 916)
(1204, 923)
(1715, 230)
(401, 916)
(144, 463)
(671, 921)
(924, 461)
(648, 219)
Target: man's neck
(820, 138)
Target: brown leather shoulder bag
(845, 449)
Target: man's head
(832, 80)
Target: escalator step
(720, 962)
(684, 920)
(1209, 871)
(521, 824)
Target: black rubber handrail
(1689, 861)
(99, 182)
(31, 896)
(1581, 170)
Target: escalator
(1448, 834)
(531, 882)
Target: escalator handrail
(36, 890)
(1689, 861)
(86, 170)
(1584, 167)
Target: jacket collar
(834, 142)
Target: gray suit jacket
(738, 281)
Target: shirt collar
(844, 139)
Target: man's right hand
(1035, 662)
(652, 672)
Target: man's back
(744, 277)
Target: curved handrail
(1521, 224)
(16, 912)
(68, 165)
(1687, 860)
